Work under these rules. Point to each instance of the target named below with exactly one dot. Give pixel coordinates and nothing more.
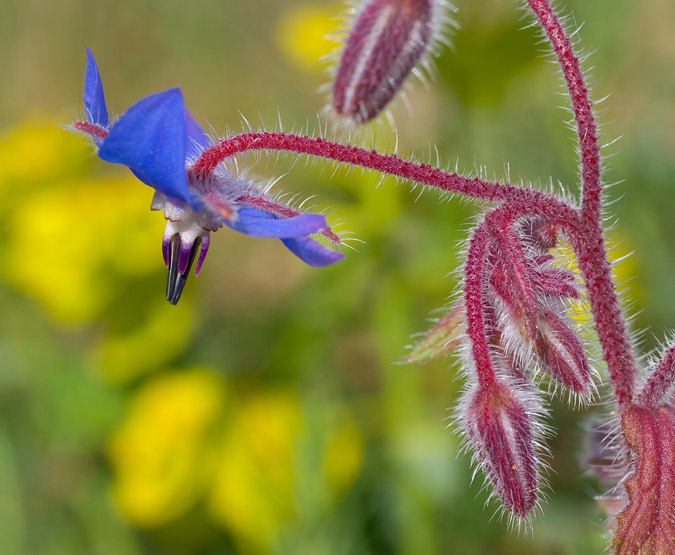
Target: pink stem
(91, 128)
(474, 285)
(609, 322)
(581, 106)
(589, 244)
(389, 164)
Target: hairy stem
(388, 164)
(589, 244)
(589, 150)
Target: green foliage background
(267, 412)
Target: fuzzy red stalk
(386, 163)
(589, 246)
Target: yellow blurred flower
(302, 35)
(162, 454)
(38, 154)
(66, 245)
(252, 491)
(251, 458)
(269, 456)
(624, 269)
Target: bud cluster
(525, 331)
(526, 313)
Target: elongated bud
(646, 525)
(441, 339)
(501, 432)
(387, 39)
(562, 354)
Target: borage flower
(159, 140)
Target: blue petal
(312, 252)
(94, 100)
(150, 138)
(259, 223)
(197, 140)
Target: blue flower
(158, 139)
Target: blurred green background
(266, 413)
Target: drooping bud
(561, 353)
(441, 339)
(386, 41)
(511, 281)
(647, 525)
(501, 432)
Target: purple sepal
(312, 252)
(166, 248)
(259, 223)
(94, 100)
(150, 138)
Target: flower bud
(441, 339)
(561, 353)
(387, 39)
(501, 432)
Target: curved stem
(589, 150)
(589, 244)
(388, 164)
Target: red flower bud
(561, 353)
(386, 41)
(500, 430)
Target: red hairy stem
(92, 129)
(474, 278)
(388, 164)
(608, 320)
(590, 247)
(589, 151)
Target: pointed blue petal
(94, 100)
(312, 252)
(197, 140)
(150, 139)
(259, 223)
